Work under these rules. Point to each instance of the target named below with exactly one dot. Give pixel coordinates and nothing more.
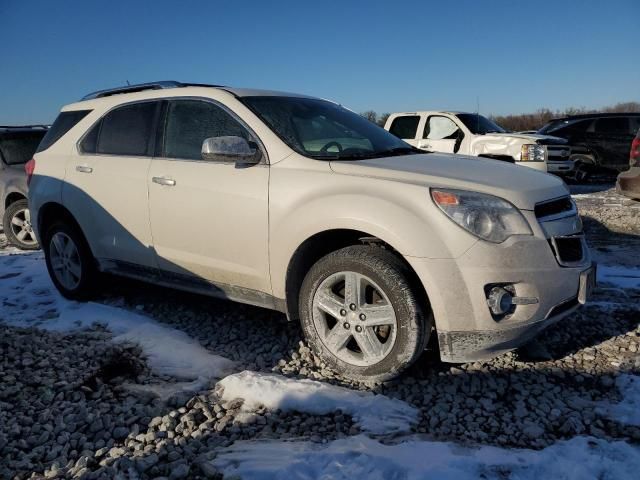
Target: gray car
(17, 146)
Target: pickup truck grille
(553, 207)
(558, 153)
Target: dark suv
(17, 146)
(597, 140)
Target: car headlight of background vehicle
(485, 216)
(532, 153)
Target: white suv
(299, 205)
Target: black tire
(15, 210)
(88, 272)
(414, 319)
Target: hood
(530, 137)
(522, 186)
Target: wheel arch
(316, 246)
(13, 197)
(52, 211)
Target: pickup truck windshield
(323, 130)
(479, 125)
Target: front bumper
(457, 290)
(560, 168)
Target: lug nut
(346, 325)
(363, 317)
(343, 312)
(358, 328)
(352, 306)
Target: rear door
(440, 134)
(109, 179)
(406, 128)
(209, 219)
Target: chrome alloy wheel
(65, 260)
(354, 318)
(21, 227)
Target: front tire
(361, 315)
(16, 223)
(70, 263)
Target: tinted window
(612, 125)
(127, 130)
(479, 125)
(18, 147)
(324, 130)
(405, 127)
(438, 128)
(190, 122)
(566, 127)
(90, 140)
(635, 125)
(65, 122)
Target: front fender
(400, 214)
(510, 147)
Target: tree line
(530, 121)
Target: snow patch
(29, 299)
(627, 411)
(581, 458)
(376, 414)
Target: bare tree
(383, 119)
(370, 115)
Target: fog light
(499, 301)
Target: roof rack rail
(25, 126)
(143, 86)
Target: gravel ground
(68, 409)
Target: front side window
(405, 126)
(17, 148)
(324, 130)
(439, 128)
(190, 122)
(127, 130)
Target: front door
(440, 135)
(209, 220)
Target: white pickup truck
(475, 135)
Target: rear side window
(65, 122)
(127, 130)
(405, 127)
(618, 125)
(17, 148)
(190, 122)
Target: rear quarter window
(65, 122)
(405, 127)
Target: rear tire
(16, 223)
(70, 263)
(361, 315)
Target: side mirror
(230, 149)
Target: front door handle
(164, 181)
(83, 169)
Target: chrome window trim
(265, 156)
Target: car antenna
(128, 84)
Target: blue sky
(516, 56)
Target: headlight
(532, 153)
(488, 217)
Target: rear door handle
(84, 169)
(164, 181)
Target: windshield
(321, 129)
(17, 148)
(479, 125)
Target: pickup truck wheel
(69, 261)
(360, 314)
(16, 224)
